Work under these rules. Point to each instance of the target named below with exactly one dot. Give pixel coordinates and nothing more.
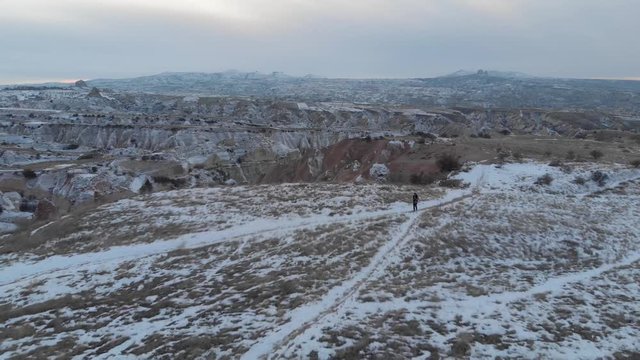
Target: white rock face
(379, 172)
(9, 157)
(7, 227)
(10, 201)
(13, 216)
(197, 161)
(396, 144)
(137, 183)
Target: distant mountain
(493, 73)
(186, 77)
(480, 89)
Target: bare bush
(635, 163)
(567, 169)
(579, 180)
(596, 154)
(599, 177)
(448, 163)
(571, 155)
(29, 174)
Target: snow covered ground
(503, 268)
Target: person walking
(415, 202)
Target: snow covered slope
(503, 268)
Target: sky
(64, 40)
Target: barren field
(502, 268)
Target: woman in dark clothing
(415, 202)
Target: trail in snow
(307, 315)
(26, 270)
(488, 303)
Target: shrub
(555, 163)
(566, 169)
(29, 174)
(599, 177)
(635, 163)
(448, 162)
(596, 154)
(545, 179)
(571, 155)
(579, 180)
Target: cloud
(389, 38)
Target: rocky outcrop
(94, 93)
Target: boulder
(379, 172)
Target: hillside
(502, 268)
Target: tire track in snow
(307, 316)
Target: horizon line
(68, 81)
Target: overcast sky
(72, 39)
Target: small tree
(596, 154)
